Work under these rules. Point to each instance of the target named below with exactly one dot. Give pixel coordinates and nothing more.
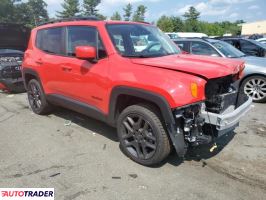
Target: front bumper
(227, 121)
(13, 85)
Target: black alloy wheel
(36, 97)
(142, 134)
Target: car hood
(202, 66)
(14, 36)
(255, 61)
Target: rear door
(51, 51)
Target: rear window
(51, 40)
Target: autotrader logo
(27, 193)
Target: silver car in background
(254, 80)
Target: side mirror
(86, 52)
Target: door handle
(66, 68)
(39, 62)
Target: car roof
(196, 39)
(83, 21)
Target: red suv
(133, 77)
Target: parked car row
(253, 82)
(247, 46)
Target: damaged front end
(10, 72)
(220, 113)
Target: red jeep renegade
(133, 77)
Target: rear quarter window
(51, 40)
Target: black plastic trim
(171, 125)
(77, 106)
(32, 72)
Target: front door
(86, 80)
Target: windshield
(139, 40)
(228, 50)
(257, 43)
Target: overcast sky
(211, 10)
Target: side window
(230, 42)
(248, 47)
(51, 40)
(184, 46)
(200, 48)
(83, 36)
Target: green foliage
(100, 16)
(165, 24)
(191, 23)
(70, 9)
(139, 15)
(6, 10)
(116, 16)
(128, 12)
(192, 14)
(90, 7)
(29, 13)
(170, 24)
(38, 11)
(191, 20)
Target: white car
(262, 40)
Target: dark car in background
(247, 46)
(254, 80)
(13, 42)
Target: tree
(100, 16)
(29, 13)
(90, 7)
(191, 17)
(116, 16)
(70, 9)
(192, 14)
(6, 10)
(128, 12)
(38, 11)
(165, 24)
(170, 24)
(139, 15)
(178, 24)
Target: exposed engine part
(222, 97)
(222, 93)
(193, 125)
(10, 67)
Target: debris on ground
(116, 177)
(133, 175)
(68, 123)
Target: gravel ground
(81, 159)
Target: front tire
(255, 87)
(37, 99)
(142, 135)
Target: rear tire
(255, 87)
(142, 135)
(37, 99)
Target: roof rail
(78, 18)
